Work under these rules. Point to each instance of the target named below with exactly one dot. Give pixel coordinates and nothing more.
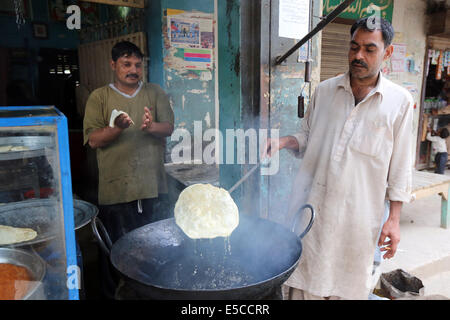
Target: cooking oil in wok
(209, 265)
(207, 276)
(227, 243)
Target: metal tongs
(265, 163)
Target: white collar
(112, 86)
(344, 82)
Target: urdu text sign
(359, 8)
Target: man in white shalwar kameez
(356, 145)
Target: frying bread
(10, 235)
(205, 211)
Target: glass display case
(38, 253)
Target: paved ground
(424, 249)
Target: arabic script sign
(360, 8)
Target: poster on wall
(184, 32)
(207, 39)
(398, 58)
(398, 65)
(293, 19)
(198, 58)
(399, 52)
(191, 40)
(303, 53)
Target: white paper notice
(293, 19)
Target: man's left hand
(389, 238)
(147, 119)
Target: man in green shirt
(127, 122)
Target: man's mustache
(360, 63)
(132, 75)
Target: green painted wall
(229, 81)
(191, 92)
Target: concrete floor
(424, 249)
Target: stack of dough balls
(205, 211)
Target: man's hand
(391, 230)
(271, 147)
(123, 121)
(147, 119)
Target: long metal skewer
(237, 184)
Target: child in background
(439, 146)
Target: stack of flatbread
(205, 211)
(11, 235)
(13, 148)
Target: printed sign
(293, 18)
(360, 8)
(184, 32)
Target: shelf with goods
(436, 102)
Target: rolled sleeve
(401, 166)
(301, 140)
(94, 117)
(397, 194)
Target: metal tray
(36, 146)
(29, 260)
(41, 215)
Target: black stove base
(126, 292)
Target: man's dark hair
(125, 48)
(444, 133)
(385, 26)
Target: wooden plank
(426, 184)
(440, 189)
(421, 178)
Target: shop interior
(45, 63)
(436, 99)
(40, 66)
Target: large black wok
(160, 262)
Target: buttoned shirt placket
(350, 123)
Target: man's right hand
(102, 137)
(123, 121)
(271, 147)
